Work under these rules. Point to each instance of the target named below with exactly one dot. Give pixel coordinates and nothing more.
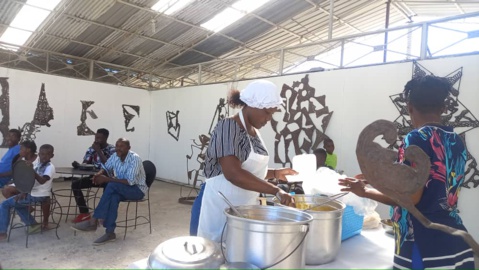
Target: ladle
(231, 205)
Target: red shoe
(82, 217)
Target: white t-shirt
(44, 190)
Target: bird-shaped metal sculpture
(395, 180)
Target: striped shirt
(229, 139)
(131, 170)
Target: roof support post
(424, 33)
(281, 62)
(386, 26)
(331, 18)
(90, 74)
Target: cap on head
(261, 94)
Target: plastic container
(352, 223)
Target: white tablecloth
(372, 249)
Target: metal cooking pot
(186, 252)
(324, 239)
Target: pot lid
(188, 249)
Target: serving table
(372, 249)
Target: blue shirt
(131, 169)
(6, 163)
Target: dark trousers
(77, 186)
(195, 212)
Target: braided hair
(427, 94)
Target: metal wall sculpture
(305, 115)
(129, 113)
(456, 115)
(5, 110)
(195, 161)
(83, 129)
(42, 117)
(173, 123)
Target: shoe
(82, 217)
(35, 228)
(107, 237)
(84, 226)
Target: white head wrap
(261, 94)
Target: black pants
(77, 186)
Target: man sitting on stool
(97, 155)
(126, 181)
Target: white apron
(212, 217)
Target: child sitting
(40, 192)
(321, 156)
(331, 158)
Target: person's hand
(285, 198)
(100, 179)
(280, 174)
(75, 164)
(20, 197)
(354, 185)
(96, 147)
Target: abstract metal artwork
(195, 161)
(5, 110)
(129, 113)
(42, 117)
(298, 130)
(174, 125)
(83, 129)
(455, 115)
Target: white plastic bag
(325, 182)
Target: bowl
(387, 226)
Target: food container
(324, 239)
(387, 225)
(267, 236)
(186, 252)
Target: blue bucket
(352, 223)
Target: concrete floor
(170, 219)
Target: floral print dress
(417, 246)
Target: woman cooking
(237, 160)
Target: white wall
(64, 95)
(357, 96)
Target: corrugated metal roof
(128, 32)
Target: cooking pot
(267, 236)
(186, 252)
(324, 239)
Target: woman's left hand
(280, 174)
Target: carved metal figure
(83, 129)
(300, 104)
(398, 181)
(174, 126)
(42, 117)
(129, 116)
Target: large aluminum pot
(186, 252)
(266, 236)
(324, 239)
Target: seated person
(41, 192)
(97, 155)
(331, 158)
(126, 181)
(321, 155)
(6, 162)
(28, 152)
